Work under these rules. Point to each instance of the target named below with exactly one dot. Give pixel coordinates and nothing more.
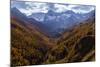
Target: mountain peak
(14, 8)
(51, 12)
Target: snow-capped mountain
(58, 22)
(38, 16)
(55, 17)
(16, 13)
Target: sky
(36, 7)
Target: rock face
(86, 44)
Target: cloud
(29, 7)
(35, 7)
(83, 8)
(18, 4)
(60, 8)
(75, 8)
(63, 7)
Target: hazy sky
(35, 7)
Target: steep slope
(78, 45)
(57, 23)
(36, 27)
(28, 45)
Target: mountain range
(35, 42)
(53, 24)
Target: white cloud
(30, 7)
(63, 8)
(34, 7)
(75, 8)
(83, 9)
(60, 8)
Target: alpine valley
(52, 37)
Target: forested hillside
(30, 47)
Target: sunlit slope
(28, 46)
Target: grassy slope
(75, 46)
(28, 46)
(31, 47)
